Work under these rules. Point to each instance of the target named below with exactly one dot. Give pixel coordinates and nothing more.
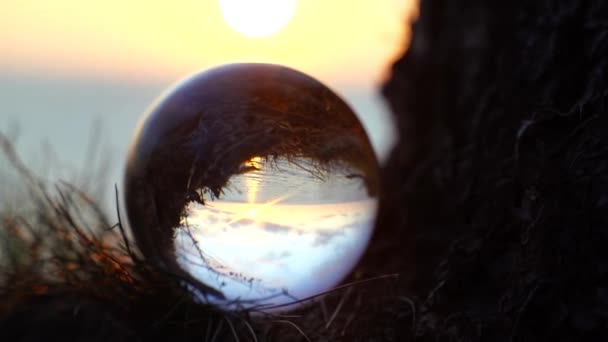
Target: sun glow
(116, 40)
(257, 211)
(257, 18)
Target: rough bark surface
(500, 178)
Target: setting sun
(257, 18)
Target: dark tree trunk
(498, 188)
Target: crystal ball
(255, 185)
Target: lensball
(254, 184)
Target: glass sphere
(254, 184)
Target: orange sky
(335, 40)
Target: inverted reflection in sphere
(254, 183)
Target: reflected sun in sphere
(257, 18)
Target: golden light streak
(252, 183)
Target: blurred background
(75, 76)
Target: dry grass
(66, 264)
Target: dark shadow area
(498, 187)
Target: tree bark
(498, 187)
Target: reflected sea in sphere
(296, 234)
(254, 185)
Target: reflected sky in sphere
(278, 234)
(254, 184)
